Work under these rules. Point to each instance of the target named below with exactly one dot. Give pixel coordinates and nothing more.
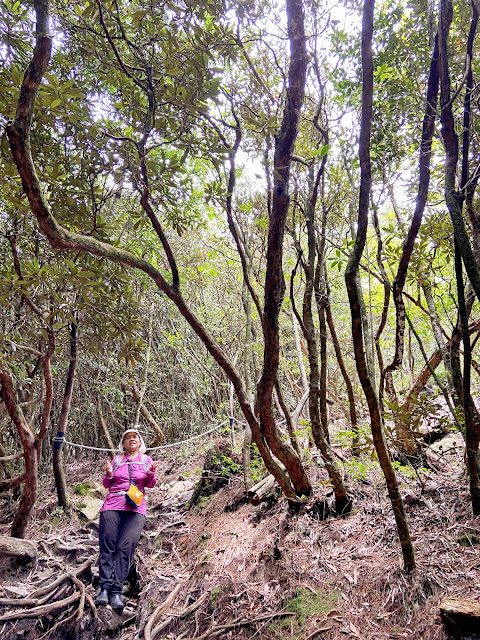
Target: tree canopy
(272, 201)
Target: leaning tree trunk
(351, 275)
(426, 371)
(343, 369)
(30, 478)
(103, 425)
(295, 482)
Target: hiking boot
(116, 602)
(102, 599)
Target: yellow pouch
(134, 496)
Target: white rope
(200, 435)
(164, 446)
(84, 446)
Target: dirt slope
(259, 572)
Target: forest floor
(238, 571)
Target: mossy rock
(305, 605)
(220, 465)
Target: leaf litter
(259, 572)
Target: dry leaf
(354, 629)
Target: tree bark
(341, 364)
(58, 470)
(317, 396)
(274, 279)
(351, 274)
(453, 198)
(472, 434)
(405, 437)
(30, 485)
(426, 372)
(144, 412)
(103, 425)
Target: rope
(200, 435)
(58, 439)
(243, 423)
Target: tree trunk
(301, 366)
(472, 432)
(274, 280)
(103, 425)
(30, 484)
(247, 374)
(453, 199)
(320, 298)
(319, 426)
(426, 372)
(144, 412)
(58, 470)
(343, 369)
(406, 439)
(351, 279)
(264, 432)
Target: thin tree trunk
(320, 298)
(318, 425)
(341, 364)
(406, 439)
(144, 412)
(58, 470)
(426, 372)
(437, 331)
(472, 434)
(30, 477)
(301, 366)
(247, 373)
(141, 394)
(453, 198)
(103, 425)
(351, 276)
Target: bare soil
(267, 572)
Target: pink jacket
(121, 482)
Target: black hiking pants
(119, 533)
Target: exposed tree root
(159, 610)
(219, 628)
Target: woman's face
(131, 443)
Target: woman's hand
(109, 469)
(152, 467)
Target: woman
(120, 523)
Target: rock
(97, 490)
(449, 442)
(180, 498)
(20, 591)
(410, 498)
(90, 506)
(181, 487)
(113, 621)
